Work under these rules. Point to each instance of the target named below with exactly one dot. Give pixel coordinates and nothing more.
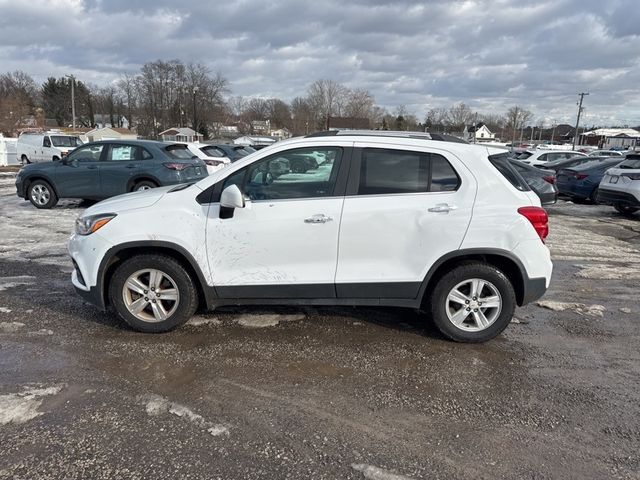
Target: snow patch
(579, 308)
(10, 282)
(5, 310)
(21, 407)
(375, 473)
(10, 327)
(157, 405)
(42, 331)
(608, 272)
(266, 320)
(625, 310)
(201, 321)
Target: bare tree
(359, 103)
(459, 115)
(437, 119)
(18, 99)
(301, 116)
(326, 98)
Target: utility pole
(475, 127)
(575, 135)
(195, 118)
(73, 101)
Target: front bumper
(614, 197)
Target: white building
(607, 138)
(480, 131)
(8, 151)
(108, 133)
(181, 134)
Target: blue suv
(104, 169)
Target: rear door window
(179, 152)
(385, 171)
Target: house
(102, 120)
(108, 133)
(478, 133)
(261, 127)
(180, 134)
(8, 151)
(280, 134)
(617, 138)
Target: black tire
(143, 185)
(186, 304)
(41, 194)
(594, 196)
(56, 159)
(25, 160)
(476, 270)
(625, 209)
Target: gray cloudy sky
(488, 54)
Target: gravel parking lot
(320, 392)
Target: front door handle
(130, 166)
(318, 218)
(442, 208)
(92, 167)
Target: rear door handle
(130, 166)
(92, 167)
(442, 208)
(318, 218)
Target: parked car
(234, 152)
(104, 169)
(455, 231)
(209, 155)
(580, 182)
(605, 153)
(620, 186)
(570, 162)
(541, 157)
(44, 147)
(542, 182)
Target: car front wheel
(153, 293)
(144, 185)
(473, 303)
(41, 194)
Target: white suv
(386, 219)
(620, 186)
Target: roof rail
(389, 133)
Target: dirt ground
(320, 392)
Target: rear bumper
(534, 288)
(614, 197)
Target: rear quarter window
(501, 162)
(179, 152)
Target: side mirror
(231, 197)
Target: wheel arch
(141, 178)
(504, 260)
(116, 255)
(29, 180)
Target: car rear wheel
(143, 185)
(473, 303)
(24, 160)
(153, 293)
(625, 209)
(41, 194)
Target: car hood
(128, 201)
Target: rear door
(404, 210)
(122, 163)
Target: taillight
(580, 176)
(632, 176)
(549, 179)
(538, 218)
(213, 163)
(177, 166)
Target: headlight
(92, 223)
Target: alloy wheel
(40, 194)
(150, 295)
(473, 305)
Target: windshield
(64, 141)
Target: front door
(284, 243)
(402, 212)
(79, 175)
